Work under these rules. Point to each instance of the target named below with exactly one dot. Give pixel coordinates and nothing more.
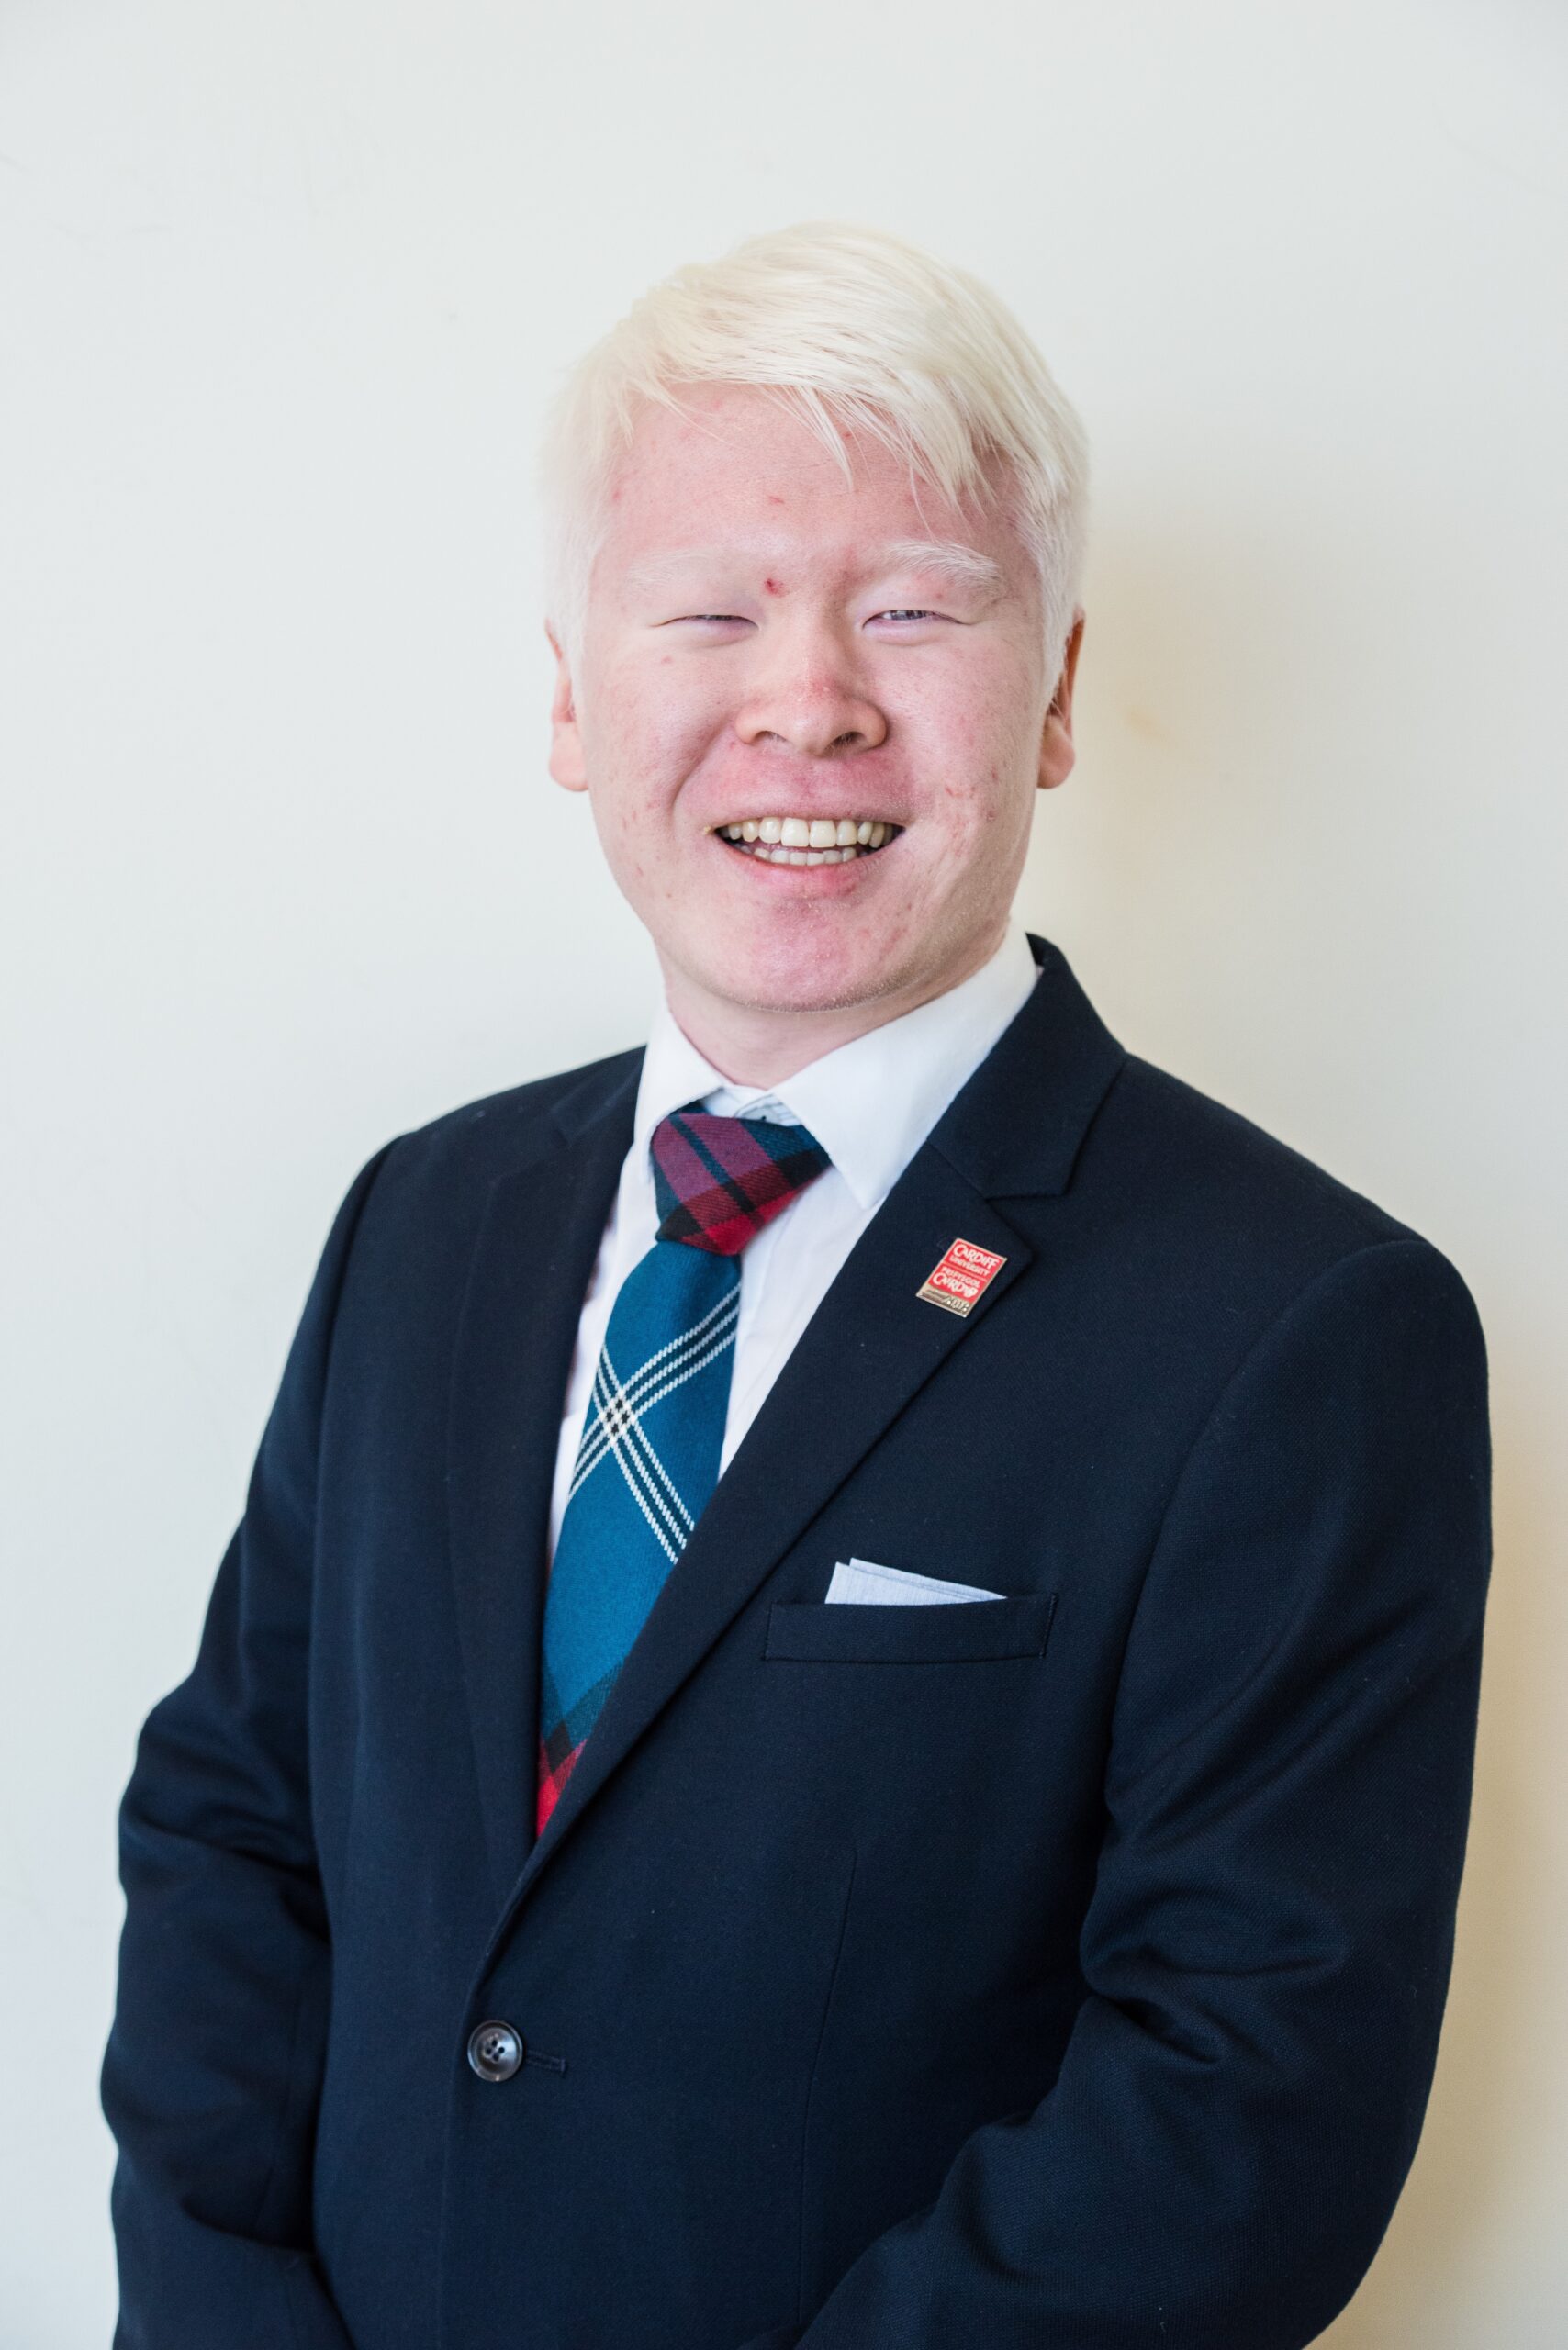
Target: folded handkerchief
(861, 1580)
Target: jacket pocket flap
(855, 1632)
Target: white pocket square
(864, 1581)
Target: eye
(707, 619)
(906, 613)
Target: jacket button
(495, 2050)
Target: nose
(806, 698)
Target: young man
(842, 1713)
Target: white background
(284, 286)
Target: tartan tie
(648, 1456)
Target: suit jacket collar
(1015, 1128)
(1017, 1125)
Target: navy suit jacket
(1062, 1969)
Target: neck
(752, 1044)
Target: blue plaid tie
(648, 1456)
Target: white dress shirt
(870, 1103)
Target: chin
(775, 977)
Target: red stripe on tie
(552, 1783)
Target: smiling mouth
(808, 840)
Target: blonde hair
(855, 331)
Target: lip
(806, 880)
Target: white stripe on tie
(638, 1394)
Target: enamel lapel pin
(962, 1277)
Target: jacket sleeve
(1266, 1953)
(213, 2067)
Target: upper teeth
(824, 839)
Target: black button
(495, 2050)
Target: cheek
(656, 722)
(974, 710)
(979, 748)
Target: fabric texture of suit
(1064, 1969)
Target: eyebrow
(949, 559)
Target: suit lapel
(538, 1240)
(1014, 1129)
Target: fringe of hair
(856, 331)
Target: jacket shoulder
(1209, 1236)
(1201, 1138)
(1203, 1177)
(470, 1145)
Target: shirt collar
(871, 1102)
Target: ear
(567, 762)
(1056, 751)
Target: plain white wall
(285, 287)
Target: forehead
(736, 469)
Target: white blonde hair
(855, 331)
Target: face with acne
(769, 647)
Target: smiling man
(842, 1711)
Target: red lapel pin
(964, 1274)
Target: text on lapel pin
(963, 1275)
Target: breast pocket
(958, 1631)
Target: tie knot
(719, 1180)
